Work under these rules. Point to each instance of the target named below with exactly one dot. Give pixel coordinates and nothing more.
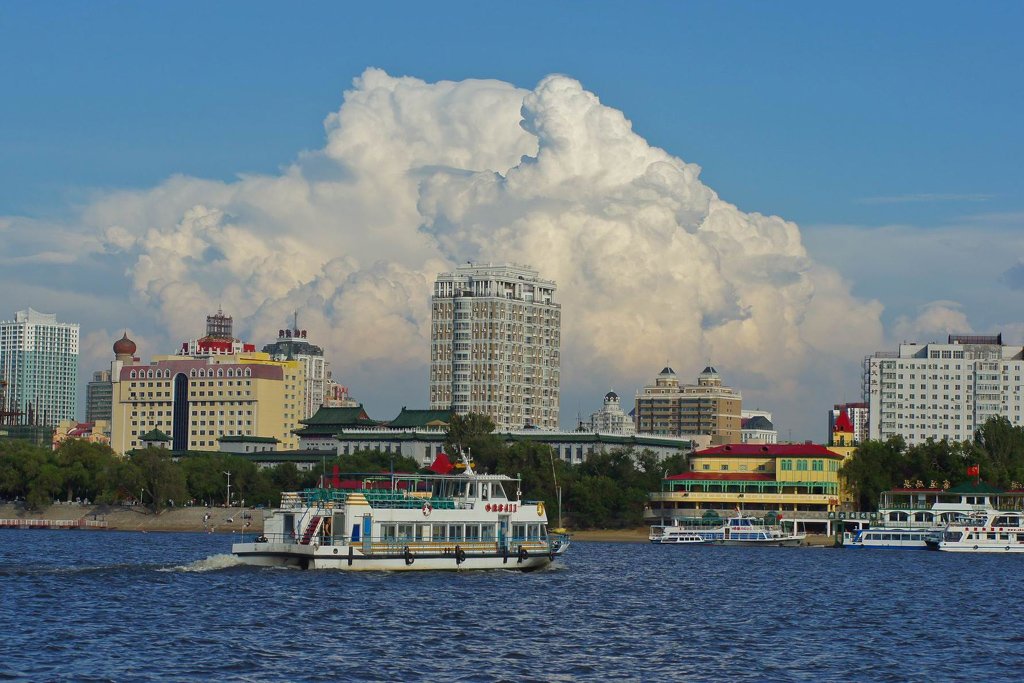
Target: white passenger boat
(993, 531)
(407, 522)
(738, 530)
(891, 539)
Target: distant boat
(737, 530)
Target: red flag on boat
(336, 478)
(974, 471)
(441, 464)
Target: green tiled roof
(422, 418)
(330, 420)
(154, 435)
(241, 438)
(969, 487)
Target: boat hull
(767, 542)
(340, 558)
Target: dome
(124, 346)
(760, 423)
(667, 371)
(611, 396)
(709, 370)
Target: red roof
(723, 476)
(843, 423)
(774, 450)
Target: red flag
(441, 465)
(336, 479)
(973, 471)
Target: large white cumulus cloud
(415, 177)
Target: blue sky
(889, 132)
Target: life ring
(427, 509)
(407, 554)
(540, 509)
(460, 555)
(522, 555)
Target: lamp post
(227, 502)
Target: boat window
(953, 536)
(991, 536)
(472, 532)
(497, 492)
(421, 531)
(454, 532)
(405, 532)
(518, 532)
(438, 532)
(487, 532)
(533, 531)
(388, 532)
(484, 490)
(472, 490)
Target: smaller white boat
(891, 538)
(992, 531)
(738, 530)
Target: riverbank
(134, 518)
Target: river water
(125, 606)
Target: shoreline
(230, 520)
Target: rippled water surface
(131, 606)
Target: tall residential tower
(495, 339)
(39, 362)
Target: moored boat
(991, 531)
(407, 522)
(737, 530)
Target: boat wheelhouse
(407, 522)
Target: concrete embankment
(217, 519)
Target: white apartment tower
(494, 345)
(943, 391)
(39, 362)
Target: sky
(776, 189)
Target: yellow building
(709, 408)
(196, 401)
(799, 480)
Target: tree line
(876, 466)
(608, 490)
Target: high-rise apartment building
(98, 395)
(39, 362)
(943, 391)
(610, 419)
(292, 345)
(707, 407)
(495, 345)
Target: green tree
(162, 480)
(876, 466)
(472, 434)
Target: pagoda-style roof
(328, 421)
(781, 450)
(155, 435)
(969, 487)
(421, 418)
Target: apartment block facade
(495, 345)
(39, 363)
(705, 408)
(943, 391)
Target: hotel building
(98, 396)
(943, 391)
(198, 400)
(705, 408)
(292, 345)
(495, 340)
(611, 419)
(39, 362)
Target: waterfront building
(337, 396)
(319, 431)
(705, 408)
(495, 345)
(856, 413)
(800, 481)
(943, 391)
(293, 345)
(756, 427)
(195, 401)
(98, 396)
(610, 419)
(39, 364)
